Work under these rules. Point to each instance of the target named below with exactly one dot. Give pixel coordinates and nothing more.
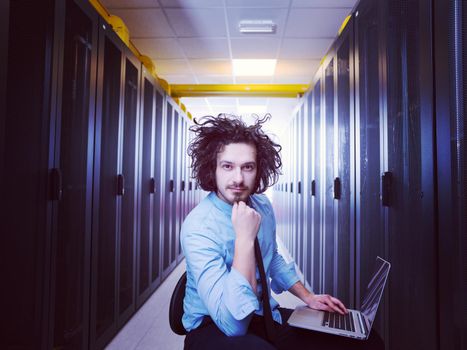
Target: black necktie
(268, 320)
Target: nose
(238, 176)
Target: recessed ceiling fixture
(253, 67)
(257, 27)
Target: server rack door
(308, 181)
(107, 189)
(175, 210)
(74, 149)
(293, 188)
(159, 188)
(410, 201)
(27, 136)
(144, 255)
(344, 170)
(450, 53)
(127, 244)
(316, 203)
(169, 188)
(369, 148)
(300, 185)
(328, 234)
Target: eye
(249, 167)
(226, 166)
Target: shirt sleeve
(227, 294)
(283, 275)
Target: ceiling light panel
(236, 16)
(253, 67)
(257, 27)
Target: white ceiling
(194, 42)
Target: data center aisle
(149, 328)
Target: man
(223, 305)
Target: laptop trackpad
(303, 315)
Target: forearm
(299, 290)
(244, 260)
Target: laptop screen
(374, 291)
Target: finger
(234, 211)
(339, 304)
(334, 306)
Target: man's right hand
(245, 221)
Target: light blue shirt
(216, 289)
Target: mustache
(233, 187)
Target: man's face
(236, 172)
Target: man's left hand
(325, 302)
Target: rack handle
(56, 184)
(337, 188)
(120, 185)
(171, 185)
(313, 188)
(152, 185)
(386, 187)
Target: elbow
(234, 331)
(235, 328)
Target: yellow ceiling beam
(238, 90)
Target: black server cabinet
(342, 180)
(158, 213)
(115, 185)
(370, 229)
(74, 147)
(107, 188)
(26, 157)
(47, 173)
(147, 188)
(317, 191)
(327, 172)
(407, 82)
(170, 188)
(450, 54)
(309, 183)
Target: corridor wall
(370, 187)
(87, 139)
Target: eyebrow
(229, 162)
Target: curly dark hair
(213, 133)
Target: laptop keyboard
(338, 321)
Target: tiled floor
(149, 328)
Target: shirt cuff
(240, 299)
(286, 279)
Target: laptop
(357, 323)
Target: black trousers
(208, 336)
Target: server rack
(80, 164)
(372, 168)
(450, 43)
